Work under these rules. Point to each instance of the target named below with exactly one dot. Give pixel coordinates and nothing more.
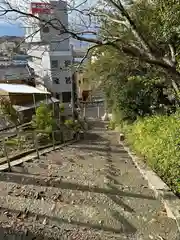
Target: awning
(48, 101)
(20, 88)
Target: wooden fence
(26, 142)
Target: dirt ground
(88, 190)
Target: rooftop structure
(20, 88)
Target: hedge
(157, 138)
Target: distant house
(11, 72)
(83, 86)
(24, 99)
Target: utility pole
(73, 100)
(74, 91)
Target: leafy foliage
(130, 87)
(138, 91)
(73, 125)
(140, 96)
(158, 139)
(9, 111)
(61, 107)
(43, 119)
(154, 35)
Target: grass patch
(157, 138)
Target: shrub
(43, 119)
(8, 110)
(157, 138)
(111, 124)
(140, 96)
(61, 107)
(43, 138)
(73, 125)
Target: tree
(131, 88)
(147, 30)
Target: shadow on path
(51, 182)
(125, 227)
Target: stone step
(29, 185)
(64, 215)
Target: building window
(67, 63)
(68, 80)
(55, 80)
(66, 97)
(54, 63)
(45, 29)
(57, 96)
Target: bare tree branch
(133, 26)
(142, 51)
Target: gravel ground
(89, 190)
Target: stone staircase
(97, 92)
(43, 198)
(89, 190)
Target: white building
(50, 51)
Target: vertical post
(53, 110)
(84, 115)
(53, 140)
(62, 137)
(36, 144)
(98, 110)
(34, 100)
(72, 93)
(59, 116)
(105, 108)
(46, 99)
(6, 154)
(19, 140)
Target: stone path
(89, 190)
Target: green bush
(61, 107)
(73, 125)
(43, 119)
(43, 138)
(111, 124)
(141, 96)
(157, 138)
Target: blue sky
(15, 30)
(10, 30)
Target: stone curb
(162, 191)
